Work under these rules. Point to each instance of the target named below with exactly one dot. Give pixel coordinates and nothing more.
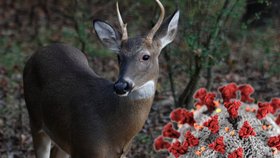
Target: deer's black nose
(122, 87)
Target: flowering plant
(233, 127)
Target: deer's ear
(107, 35)
(168, 30)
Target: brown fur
(69, 104)
(61, 97)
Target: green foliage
(268, 51)
(11, 54)
(204, 28)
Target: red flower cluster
(232, 108)
(246, 91)
(228, 92)
(168, 131)
(178, 149)
(160, 144)
(212, 124)
(191, 139)
(200, 93)
(246, 130)
(264, 109)
(182, 116)
(275, 103)
(238, 153)
(278, 120)
(274, 142)
(205, 98)
(229, 95)
(218, 145)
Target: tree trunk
(209, 77)
(186, 97)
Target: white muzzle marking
(145, 91)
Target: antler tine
(123, 26)
(151, 34)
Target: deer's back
(57, 60)
(59, 85)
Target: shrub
(234, 127)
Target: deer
(73, 112)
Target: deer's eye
(145, 57)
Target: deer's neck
(138, 103)
(125, 115)
(133, 111)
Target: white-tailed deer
(87, 116)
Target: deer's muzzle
(122, 87)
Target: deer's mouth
(122, 95)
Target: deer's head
(138, 56)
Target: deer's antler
(151, 34)
(123, 26)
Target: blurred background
(219, 41)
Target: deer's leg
(57, 152)
(42, 143)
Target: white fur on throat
(144, 92)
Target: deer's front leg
(42, 143)
(57, 152)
